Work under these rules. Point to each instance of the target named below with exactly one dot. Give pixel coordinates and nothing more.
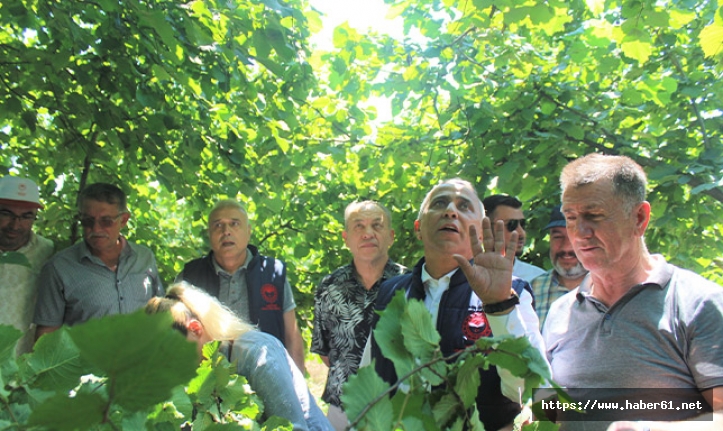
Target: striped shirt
(546, 290)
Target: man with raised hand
(480, 300)
(19, 205)
(344, 300)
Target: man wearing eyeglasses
(102, 275)
(19, 205)
(509, 209)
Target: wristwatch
(501, 306)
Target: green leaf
(420, 334)
(390, 338)
(14, 258)
(639, 50)
(143, 357)
(84, 411)
(468, 379)
(56, 362)
(359, 391)
(9, 336)
(711, 38)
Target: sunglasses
(104, 222)
(512, 224)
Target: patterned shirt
(75, 285)
(547, 290)
(343, 313)
(18, 289)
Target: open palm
(490, 273)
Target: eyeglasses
(9, 216)
(104, 222)
(512, 224)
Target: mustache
(565, 254)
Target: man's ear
(642, 217)
(124, 218)
(416, 229)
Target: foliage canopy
(185, 103)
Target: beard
(576, 271)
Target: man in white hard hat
(22, 254)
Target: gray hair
(627, 178)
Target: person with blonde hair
(260, 357)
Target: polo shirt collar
(220, 271)
(659, 276)
(85, 252)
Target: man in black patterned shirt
(344, 301)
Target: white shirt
(526, 271)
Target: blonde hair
(185, 301)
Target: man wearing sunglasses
(102, 275)
(509, 209)
(19, 205)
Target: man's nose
(14, 222)
(580, 229)
(451, 210)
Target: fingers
(474, 241)
(495, 241)
(488, 239)
(500, 237)
(511, 247)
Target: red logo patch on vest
(270, 296)
(476, 326)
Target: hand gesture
(490, 274)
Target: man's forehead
(369, 213)
(578, 206)
(504, 211)
(98, 206)
(229, 214)
(454, 189)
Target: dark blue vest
(459, 328)
(265, 278)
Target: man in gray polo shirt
(637, 322)
(103, 274)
